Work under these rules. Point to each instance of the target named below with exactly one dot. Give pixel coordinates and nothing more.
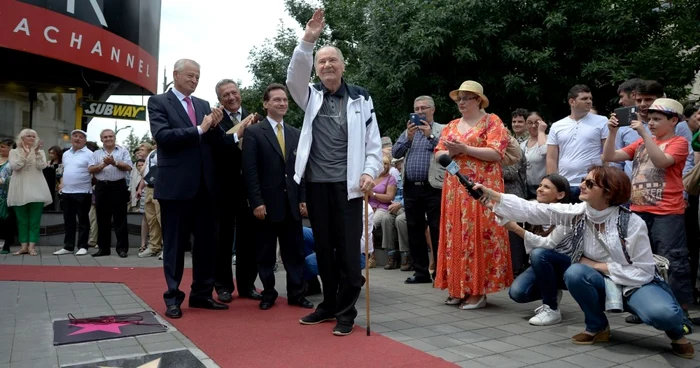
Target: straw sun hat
(473, 87)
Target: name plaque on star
(170, 359)
(97, 328)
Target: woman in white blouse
(535, 152)
(599, 251)
(28, 192)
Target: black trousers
(245, 247)
(693, 238)
(421, 199)
(111, 198)
(223, 274)
(291, 239)
(76, 205)
(337, 226)
(179, 220)
(8, 230)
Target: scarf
(572, 245)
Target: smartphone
(625, 115)
(416, 118)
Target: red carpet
(245, 336)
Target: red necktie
(190, 110)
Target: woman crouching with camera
(605, 241)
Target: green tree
(268, 64)
(525, 53)
(132, 142)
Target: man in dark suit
(278, 202)
(232, 202)
(186, 129)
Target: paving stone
(124, 352)
(470, 351)
(447, 355)
(160, 347)
(470, 364)
(588, 360)
(499, 361)
(527, 356)
(419, 332)
(442, 342)
(496, 346)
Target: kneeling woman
(545, 278)
(607, 242)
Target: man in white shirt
(575, 142)
(111, 166)
(76, 194)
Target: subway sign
(98, 109)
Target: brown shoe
(586, 339)
(391, 263)
(372, 262)
(686, 350)
(406, 262)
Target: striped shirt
(110, 172)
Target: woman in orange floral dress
(473, 254)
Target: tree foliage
(132, 142)
(526, 53)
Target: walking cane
(367, 260)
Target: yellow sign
(113, 110)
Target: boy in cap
(657, 187)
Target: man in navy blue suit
(186, 129)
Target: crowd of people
(589, 204)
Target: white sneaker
(545, 316)
(81, 252)
(61, 252)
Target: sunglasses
(589, 183)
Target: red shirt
(655, 190)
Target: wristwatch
(431, 137)
(374, 194)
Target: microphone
(453, 169)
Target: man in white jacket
(339, 155)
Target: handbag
(150, 178)
(691, 180)
(513, 153)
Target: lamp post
(116, 131)
(166, 84)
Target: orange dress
(473, 252)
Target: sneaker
(160, 256)
(546, 316)
(81, 252)
(316, 317)
(633, 319)
(147, 253)
(342, 329)
(62, 251)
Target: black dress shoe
(225, 297)
(101, 253)
(173, 311)
(266, 304)
(301, 302)
(418, 280)
(207, 304)
(122, 254)
(251, 294)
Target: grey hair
(180, 64)
(340, 53)
(24, 132)
(224, 82)
(430, 100)
(108, 130)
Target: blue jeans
(653, 303)
(311, 267)
(542, 280)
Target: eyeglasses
(589, 183)
(421, 108)
(463, 98)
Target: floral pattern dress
(474, 253)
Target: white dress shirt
(235, 116)
(111, 172)
(274, 124)
(181, 96)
